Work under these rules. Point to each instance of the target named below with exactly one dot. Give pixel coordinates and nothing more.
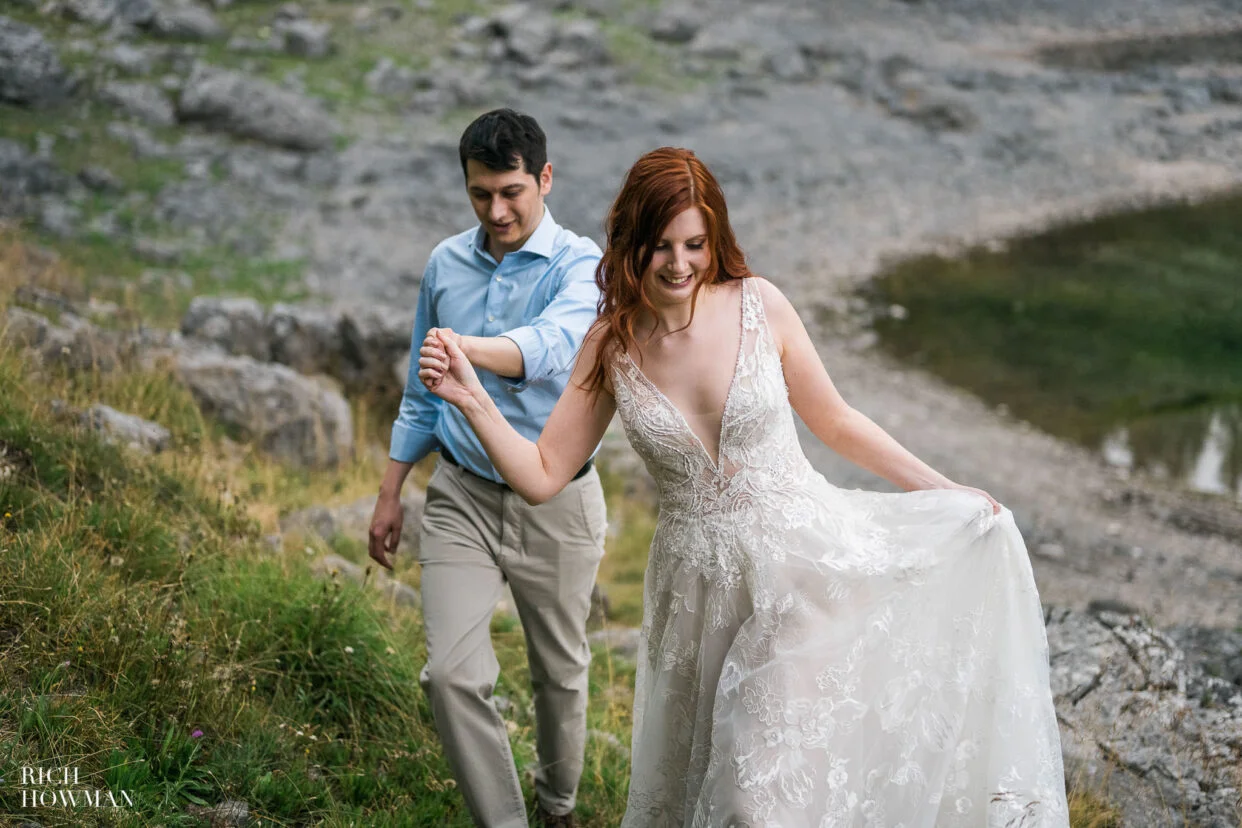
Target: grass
(1132, 320)
(140, 607)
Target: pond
(1123, 333)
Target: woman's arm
(842, 428)
(536, 471)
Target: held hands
(445, 370)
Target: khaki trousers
(475, 536)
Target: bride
(810, 656)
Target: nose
(496, 210)
(679, 259)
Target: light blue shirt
(543, 297)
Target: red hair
(661, 184)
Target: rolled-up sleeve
(413, 432)
(550, 342)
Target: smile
(675, 281)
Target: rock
(129, 59)
(236, 325)
(27, 177)
(139, 100)
(353, 520)
(788, 65)
(676, 24)
(373, 340)
(400, 594)
(305, 338)
(526, 33)
(305, 38)
(251, 108)
(231, 813)
(621, 642)
(1098, 605)
(92, 12)
(390, 80)
(293, 417)
(1131, 729)
(30, 70)
(184, 21)
(583, 41)
(100, 179)
(1218, 652)
(127, 429)
(937, 112)
(73, 344)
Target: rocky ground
(321, 137)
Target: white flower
(349, 650)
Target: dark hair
(659, 186)
(504, 139)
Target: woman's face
(680, 260)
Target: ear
(545, 179)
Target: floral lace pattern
(818, 657)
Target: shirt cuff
(409, 445)
(528, 343)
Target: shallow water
(1124, 333)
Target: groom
(519, 292)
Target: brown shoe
(543, 819)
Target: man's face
(509, 203)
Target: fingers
(377, 542)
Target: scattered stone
(231, 813)
(91, 12)
(252, 108)
(609, 739)
(235, 325)
(306, 338)
(389, 79)
(305, 38)
(675, 24)
(1134, 727)
(353, 520)
(788, 65)
(130, 60)
(296, 418)
(184, 21)
(27, 177)
(74, 343)
(127, 429)
(401, 594)
(621, 642)
(139, 100)
(30, 70)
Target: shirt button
(491, 318)
(497, 278)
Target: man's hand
(445, 370)
(385, 531)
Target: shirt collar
(541, 242)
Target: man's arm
(548, 345)
(413, 436)
(413, 432)
(498, 354)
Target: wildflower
(349, 650)
(197, 734)
(79, 648)
(299, 733)
(390, 651)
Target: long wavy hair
(659, 186)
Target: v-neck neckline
(724, 413)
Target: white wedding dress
(820, 657)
